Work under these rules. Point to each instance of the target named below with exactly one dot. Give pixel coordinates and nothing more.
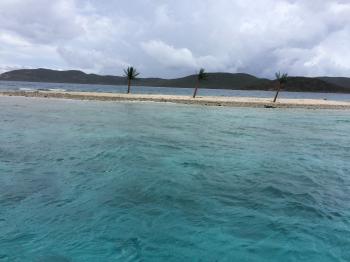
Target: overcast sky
(170, 38)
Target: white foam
(52, 89)
(26, 89)
(57, 89)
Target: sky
(172, 38)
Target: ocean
(32, 86)
(141, 181)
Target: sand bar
(200, 100)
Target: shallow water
(103, 181)
(31, 86)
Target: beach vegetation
(202, 75)
(131, 74)
(282, 80)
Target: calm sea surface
(4, 85)
(103, 181)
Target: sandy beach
(208, 100)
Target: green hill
(305, 84)
(237, 81)
(214, 81)
(339, 81)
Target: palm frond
(278, 75)
(282, 78)
(131, 73)
(202, 75)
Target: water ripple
(92, 181)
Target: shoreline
(200, 100)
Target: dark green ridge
(238, 81)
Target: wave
(52, 89)
(27, 89)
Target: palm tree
(282, 80)
(130, 73)
(202, 75)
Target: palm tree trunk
(129, 84)
(196, 90)
(278, 91)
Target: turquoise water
(103, 181)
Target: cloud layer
(171, 38)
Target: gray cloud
(172, 38)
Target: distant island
(238, 81)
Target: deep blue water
(102, 181)
(5, 85)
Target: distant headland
(237, 81)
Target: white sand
(208, 100)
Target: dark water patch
(19, 238)
(302, 210)
(4, 257)
(8, 199)
(52, 258)
(343, 121)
